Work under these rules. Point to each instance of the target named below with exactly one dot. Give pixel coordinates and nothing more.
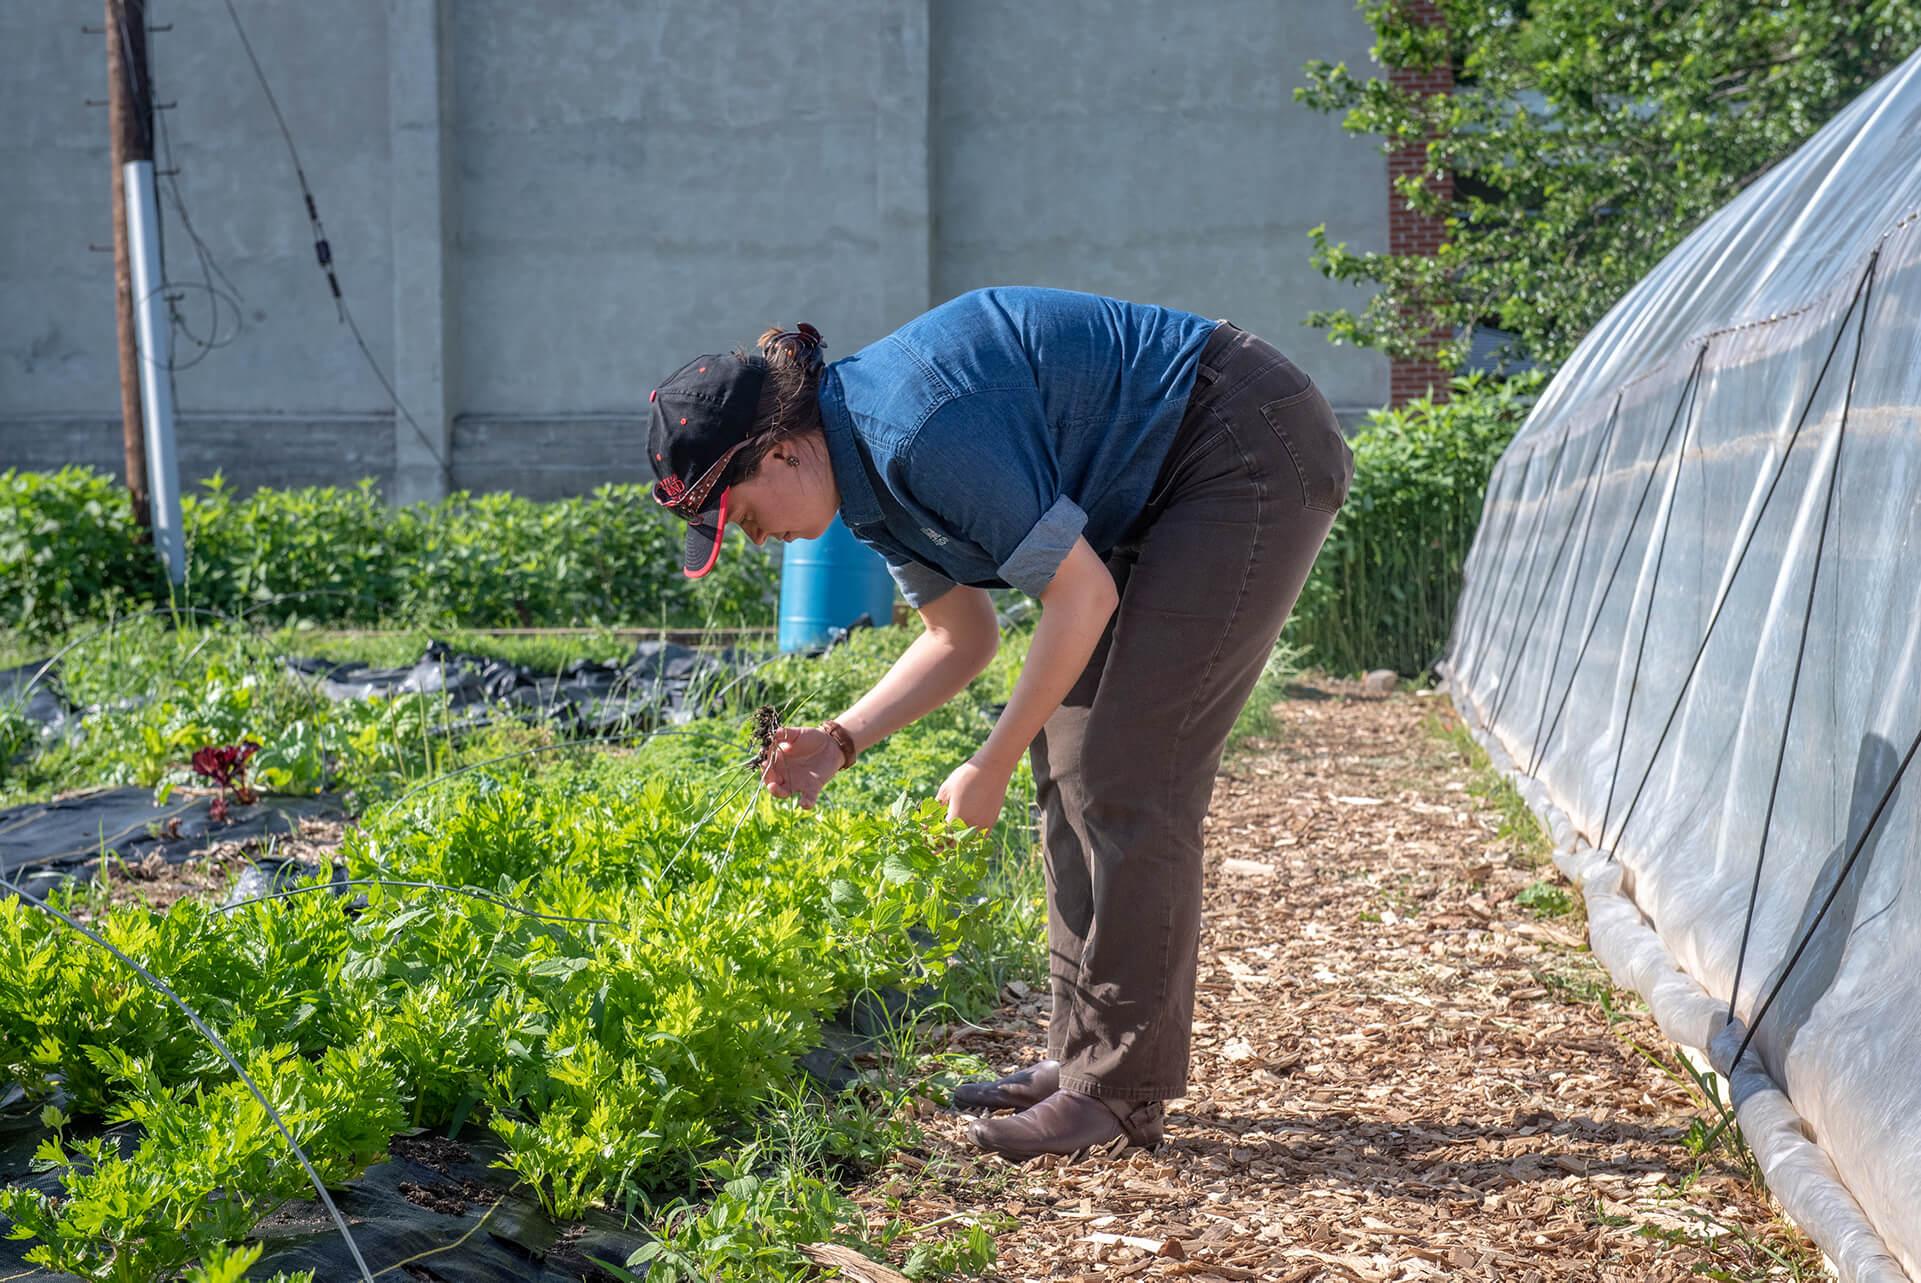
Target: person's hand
(975, 792)
(802, 760)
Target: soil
(159, 882)
(441, 1196)
(1399, 1072)
(766, 722)
(435, 1153)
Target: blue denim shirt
(977, 442)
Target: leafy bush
(69, 549)
(70, 552)
(1382, 594)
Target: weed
(1516, 826)
(766, 722)
(1546, 900)
(1256, 719)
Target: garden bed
(606, 969)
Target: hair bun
(800, 346)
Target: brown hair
(789, 393)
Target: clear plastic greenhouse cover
(1691, 627)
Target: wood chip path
(1399, 1073)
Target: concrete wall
(538, 210)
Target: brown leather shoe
(1067, 1123)
(1022, 1089)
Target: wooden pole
(130, 116)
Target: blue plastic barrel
(829, 583)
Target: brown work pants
(1124, 770)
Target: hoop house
(1691, 627)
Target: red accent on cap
(683, 423)
(703, 369)
(653, 394)
(720, 523)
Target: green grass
(1518, 829)
(1256, 720)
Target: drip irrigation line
(1747, 543)
(160, 986)
(1841, 880)
(1513, 671)
(1801, 650)
(436, 1251)
(1526, 563)
(1596, 482)
(323, 249)
(1689, 395)
(471, 892)
(561, 746)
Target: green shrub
(69, 549)
(1382, 594)
(70, 553)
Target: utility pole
(130, 117)
(153, 327)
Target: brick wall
(1409, 232)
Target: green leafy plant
(1581, 140)
(210, 1162)
(1382, 593)
(1545, 899)
(693, 938)
(69, 552)
(69, 549)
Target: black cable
(1801, 651)
(226, 292)
(1526, 563)
(1512, 674)
(323, 249)
(1847, 867)
(1740, 560)
(1688, 397)
(1647, 620)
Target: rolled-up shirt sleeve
(1031, 566)
(917, 583)
(984, 468)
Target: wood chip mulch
(1399, 1072)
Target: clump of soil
(445, 1197)
(766, 722)
(434, 1152)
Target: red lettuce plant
(226, 765)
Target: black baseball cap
(700, 418)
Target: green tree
(1584, 139)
